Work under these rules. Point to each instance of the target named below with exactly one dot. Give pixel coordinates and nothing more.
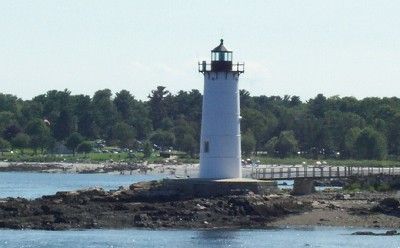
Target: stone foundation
(303, 186)
(197, 187)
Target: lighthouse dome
(220, 48)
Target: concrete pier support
(303, 186)
(197, 187)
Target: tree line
(321, 127)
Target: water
(32, 184)
(312, 237)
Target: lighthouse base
(198, 187)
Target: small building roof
(220, 48)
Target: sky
(345, 48)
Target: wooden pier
(319, 172)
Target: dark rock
(390, 203)
(387, 233)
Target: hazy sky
(346, 48)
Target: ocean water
(33, 185)
(279, 238)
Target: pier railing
(287, 173)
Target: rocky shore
(149, 205)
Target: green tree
(11, 131)
(64, 125)
(6, 119)
(259, 124)
(141, 120)
(350, 142)
(73, 141)
(318, 106)
(163, 138)
(270, 146)
(189, 144)
(104, 111)
(39, 133)
(8, 103)
(84, 147)
(124, 103)
(124, 134)
(393, 135)
(286, 143)
(157, 102)
(21, 141)
(84, 115)
(248, 143)
(4, 145)
(371, 144)
(147, 149)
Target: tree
(104, 111)
(163, 138)
(141, 120)
(39, 133)
(11, 131)
(124, 134)
(124, 102)
(8, 103)
(158, 110)
(73, 141)
(248, 143)
(189, 144)
(64, 125)
(147, 150)
(185, 136)
(350, 142)
(318, 105)
(21, 141)
(82, 109)
(6, 119)
(246, 100)
(371, 144)
(270, 145)
(84, 147)
(166, 124)
(286, 143)
(4, 145)
(259, 124)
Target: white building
(220, 151)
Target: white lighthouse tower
(220, 151)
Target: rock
(363, 233)
(388, 206)
(144, 205)
(200, 207)
(387, 233)
(390, 203)
(391, 232)
(141, 218)
(340, 196)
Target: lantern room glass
(221, 56)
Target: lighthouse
(220, 151)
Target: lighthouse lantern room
(220, 151)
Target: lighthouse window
(222, 56)
(206, 146)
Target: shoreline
(148, 205)
(85, 168)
